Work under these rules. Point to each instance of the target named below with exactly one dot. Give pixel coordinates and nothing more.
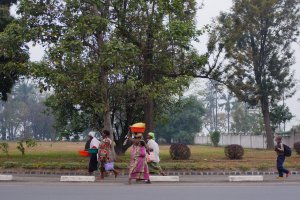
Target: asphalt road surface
(168, 191)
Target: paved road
(166, 191)
(29, 187)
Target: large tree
(83, 56)
(257, 37)
(162, 31)
(13, 53)
(111, 58)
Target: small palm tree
(227, 105)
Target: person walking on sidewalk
(138, 168)
(93, 163)
(279, 148)
(153, 157)
(105, 155)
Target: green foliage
(21, 147)
(113, 60)
(13, 52)
(279, 114)
(181, 120)
(69, 120)
(297, 147)
(71, 166)
(4, 147)
(215, 138)
(234, 151)
(29, 144)
(180, 152)
(10, 164)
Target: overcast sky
(210, 10)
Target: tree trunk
(148, 78)
(149, 115)
(120, 148)
(266, 115)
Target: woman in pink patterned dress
(105, 153)
(138, 164)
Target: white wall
(247, 141)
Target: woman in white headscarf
(94, 144)
(153, 163)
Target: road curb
(124, 172)
(6, 177)
(164, 178)
(77, 178)
(245, 178)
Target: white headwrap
(92, 133)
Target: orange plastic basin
(84, 153)
(137, 129)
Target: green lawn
(64, 155)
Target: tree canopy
(256, 37)
(114, 59)
(13, 52)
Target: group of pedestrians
(144, 156)
(103, 156)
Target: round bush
(234, 151)
(297, 147)
(180, 151)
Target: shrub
(215, 138)
(234, 151)
(10, 164)
(4, 147)
(21, 147)
(297, 147)
(180, 152)
(28, 142)
(30, 166)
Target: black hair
(142, 142)
(106, 132)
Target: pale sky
(210, 10)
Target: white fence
(247, 141)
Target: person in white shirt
(153, 156)
(94, 144)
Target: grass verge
(64, 155)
